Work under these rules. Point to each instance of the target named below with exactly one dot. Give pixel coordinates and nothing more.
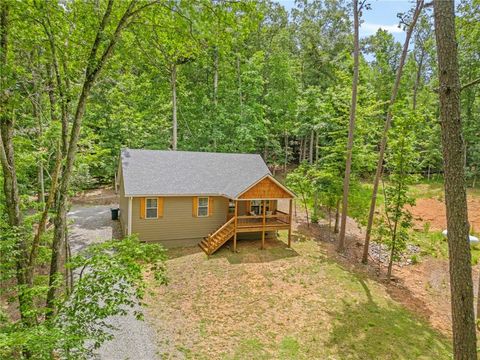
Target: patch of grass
(369, 331)
(268, 304)
(251, 349)
(429, 190)
(433, 243)
(289, 348)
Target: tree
(463, 321)
(7, 159)
(357, 8)
(388, 121)
(300, 182)
(99, 54)
(401, 163)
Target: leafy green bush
(109, 281)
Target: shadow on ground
(249, 251)
(367, 330)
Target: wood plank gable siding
(266, 189)
(178, 226)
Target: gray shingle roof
(158, 172)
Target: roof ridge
(190, 152)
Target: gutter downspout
(129, 227)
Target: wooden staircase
(214, 241)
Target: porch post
(263, 225)
(235, 228)
(290, 222)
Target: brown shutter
(142, 208)
(210, 206)
(247, 207)
(194, 206)
(159, 207)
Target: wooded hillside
(79, 80)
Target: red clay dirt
(432, 211)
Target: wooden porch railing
(278, 220)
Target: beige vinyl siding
(178, 226)
(123, 204)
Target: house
(180, 198)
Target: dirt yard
(430, 208)
(281, 303)
(100, 196)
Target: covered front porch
(267, 219)
(254, 211)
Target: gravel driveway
(134, 339)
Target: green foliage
(401, 161)
(109, 281)
(299, 181)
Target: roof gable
(266, 188)
(176, 173)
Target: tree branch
(471, 83)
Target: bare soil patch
(100, 196)
(433, 212)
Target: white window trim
(146, 208)
(198, 206)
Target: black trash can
(115, 213)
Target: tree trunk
(305, 147)
(390, 262)
(478, 304)
(329, 218)
(7, 160)
(95, 64)
(337, 217)
(316, 147)
(35, 101)
(461, 283)
(351, 129)
(41, 184)
(286, 152)
(315, 205)
(388, 122)
(44, 217)
(417, 80)
(174, 105)
(310, 152)
(239, 79)
(305, 205)
(300, 151)
(215, 77)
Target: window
(256, 206)
(231, 206)
(151, 207)
(202, 209)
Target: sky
(383, 14)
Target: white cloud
(370, 28)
